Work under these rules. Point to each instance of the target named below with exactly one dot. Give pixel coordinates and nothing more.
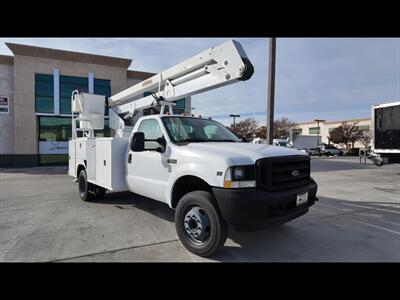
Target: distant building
(35, 99)
(311, 128)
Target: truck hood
(239, 153)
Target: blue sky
(325, 78)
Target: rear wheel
(84, 187)
(199, 224)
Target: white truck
(385, 133)
(195, 165)
(307, 143)
(275, 142)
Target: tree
(364, 138)
(283, 128)
(261, 132)
(244, 129)
(344, 134)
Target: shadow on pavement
(329, 236)
(334, 236)
(125, 200)
(58, 170)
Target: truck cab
(251, 185)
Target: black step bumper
(252, 209)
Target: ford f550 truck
(195, 165)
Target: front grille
(275, 173)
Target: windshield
(283, 144)
(186, 130)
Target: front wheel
(199, 224)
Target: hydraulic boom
(213, 68)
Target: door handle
(129, 158)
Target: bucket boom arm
(213, 68)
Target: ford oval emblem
(295, 173)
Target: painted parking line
(338, 208)
(376, 226)
(373, 208)
(369, 216)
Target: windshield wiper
(191, 141)
(227, 140)
(204, 141)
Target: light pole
(318, 121)
(234, 119)
(271, 91)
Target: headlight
(238, 173)
(240, 177)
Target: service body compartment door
(71, 159)
(110, 163)
(91, 158)
(103, 163)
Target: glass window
(180, 103)
(363, 127)
(313, 130)
(178, 109)
(387, 127)
(102, 87)
(187, 129)
(298, 131)
(152, 131)
(44, 93)
(55, 129)
(106, 132)
(67, 85)
(210, 130)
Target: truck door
(147, 170)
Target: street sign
(4, 105)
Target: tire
(196, 214)
(83, 187)
(328, 154)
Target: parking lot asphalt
(42, 219)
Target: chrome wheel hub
(197, 225)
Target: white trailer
(196, 166)
(306, 141)
(385, 133)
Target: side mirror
(137, 142)
(163, 144)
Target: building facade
(35, 99)
(311, 128)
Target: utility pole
(271, 91)
(319, 130)
(234, 119)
